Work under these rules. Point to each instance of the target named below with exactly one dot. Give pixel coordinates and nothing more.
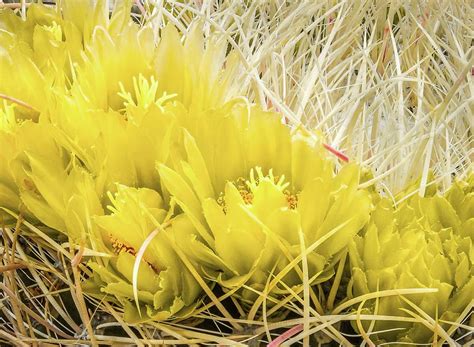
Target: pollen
(292, 200)
(119, 247)
(245, 192)
(221, 202)
(246, 188)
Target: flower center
(246, 188)
(291, 199)
(119, 247)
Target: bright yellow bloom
(142, 236)
(257, 194)
(40, 53)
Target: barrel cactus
(424, 242)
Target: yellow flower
(258, 193)
(58, 191)
(47, 48)
(35, 167)
(145, 274)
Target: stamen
(221, 202)
(119, 247)
(291, 199)
(246, 188)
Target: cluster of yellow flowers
(144, 153)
